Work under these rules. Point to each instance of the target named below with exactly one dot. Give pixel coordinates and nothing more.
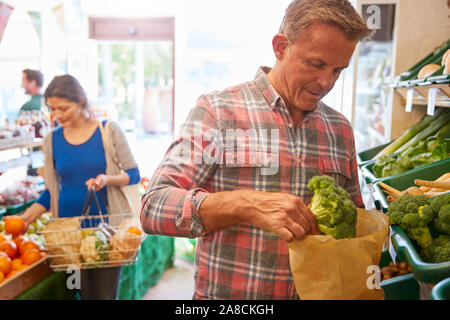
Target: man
(246, 199)
(32, 82)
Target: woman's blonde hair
(301, 13)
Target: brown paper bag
(328, 269)
(124, 245)
(63, 238)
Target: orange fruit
(9, 247)
(135, 230)
(19, 239)
(30, 256)
(27, 244)
(22, 267)
(5, 264)
(2, 277)
(16, 263)
(14, 224)
(11, 274)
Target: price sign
(432, 92)
(409, 100)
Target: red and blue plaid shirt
(244, 138)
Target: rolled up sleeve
(171, 202)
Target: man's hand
(281, 213)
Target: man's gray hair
(301, 13)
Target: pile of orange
(135, 230)
(17, 252)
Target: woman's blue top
(75, 164)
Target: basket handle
(91, 195)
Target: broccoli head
(412, 213)
(442, 221)
(438, 251)
(437, 202)
(333, 208)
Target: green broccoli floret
(413, 214)
(442, 221)
(320, 183)
(397, 209)
(437, 202)
(333, 208)
(438, 251)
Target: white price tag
(409, 100)
(432, 92)
(392, 251)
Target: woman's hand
(98, 182)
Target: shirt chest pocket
(337, 168)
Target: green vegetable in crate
(427, 126)
(93, 247)
(335, 212)
(442, 221)
(438, 251)
(413, 213)
(434, 148)
(438, 201)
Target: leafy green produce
(432, 149)
(413, 213)
(438, 251)
(440, 120)
(335, 212)
(94, 247)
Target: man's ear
(280, 43)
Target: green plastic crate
(403, 287)
(365, 156)
(407, 251)
(441, 291)
(18, 208)
(405, 180)
(2, 212)
(369, 177)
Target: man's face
(29, 86)
(311, 65)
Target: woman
(75, 161)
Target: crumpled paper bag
(124, 245)
(328, 269)
(63, 237)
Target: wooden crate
(11, 288)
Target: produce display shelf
(365, 156)
(429, 273)
(421, 91)
(403, 287)
(20, 144)
(24, 279)
(405, 180)
(370, 177)
(441, 291)
(18, 208)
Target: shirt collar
(266, 88)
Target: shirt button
(290, 125)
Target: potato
(403, 265)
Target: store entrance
(136, 78)
(135, 59)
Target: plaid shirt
(268, 154)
